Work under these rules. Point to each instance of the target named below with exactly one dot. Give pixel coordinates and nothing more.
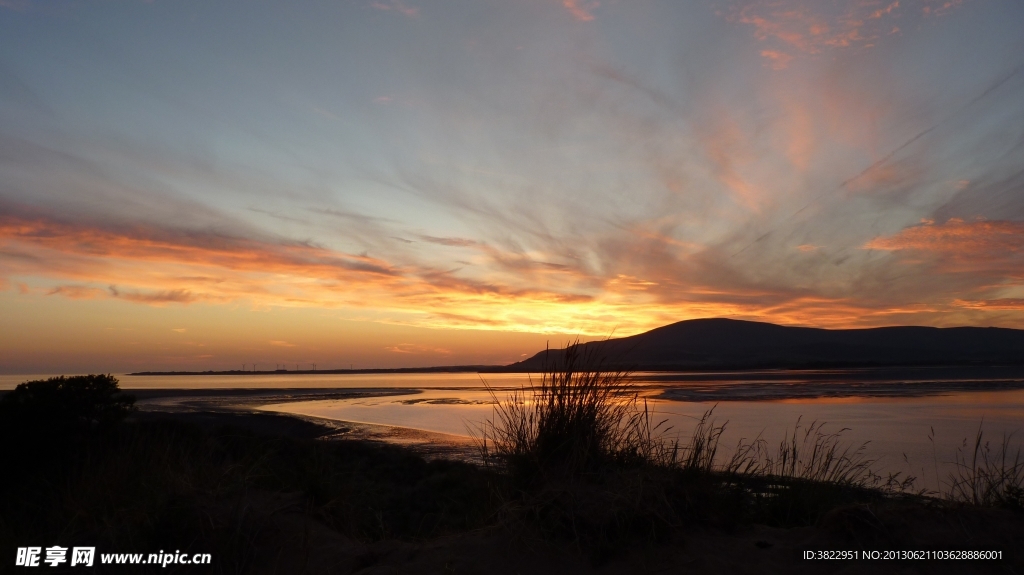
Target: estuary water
(912, 420)
(909, 427)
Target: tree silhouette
(61, 407)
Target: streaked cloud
(491, 169)
(151, 266)
(451, 242)
(975, 265)
(582, 10)
(1008, 304)
(963, 243)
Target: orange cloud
(791, 24)
(203, 248)
(160, 266)
(630, 283)
(884, 11)
(939, 7)
(1012, 304)
(812, 27)
(957, 237)
(992, 248)
(655, 279)
(582, 10)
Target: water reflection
(897, 429)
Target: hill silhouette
(735, 344)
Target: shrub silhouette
(578, 419)
(62, 408)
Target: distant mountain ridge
(735, 344)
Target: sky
(384, 183)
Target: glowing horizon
(396, 184)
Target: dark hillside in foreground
(733, 344)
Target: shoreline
(681, 369)
(242, 408)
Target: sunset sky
(198, 184)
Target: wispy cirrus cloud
(153, 243)
(159, 266)
(146, 265)
(975, 265)
(647, 224)
(984, 247)
(452, 242)
(582, 10)
(563, 167)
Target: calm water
(912, 419)
(898, 429)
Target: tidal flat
(912, 419)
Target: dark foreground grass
(988, 476)
(575, 463)
(151, 485)
(585, 463)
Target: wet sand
(241, 408)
